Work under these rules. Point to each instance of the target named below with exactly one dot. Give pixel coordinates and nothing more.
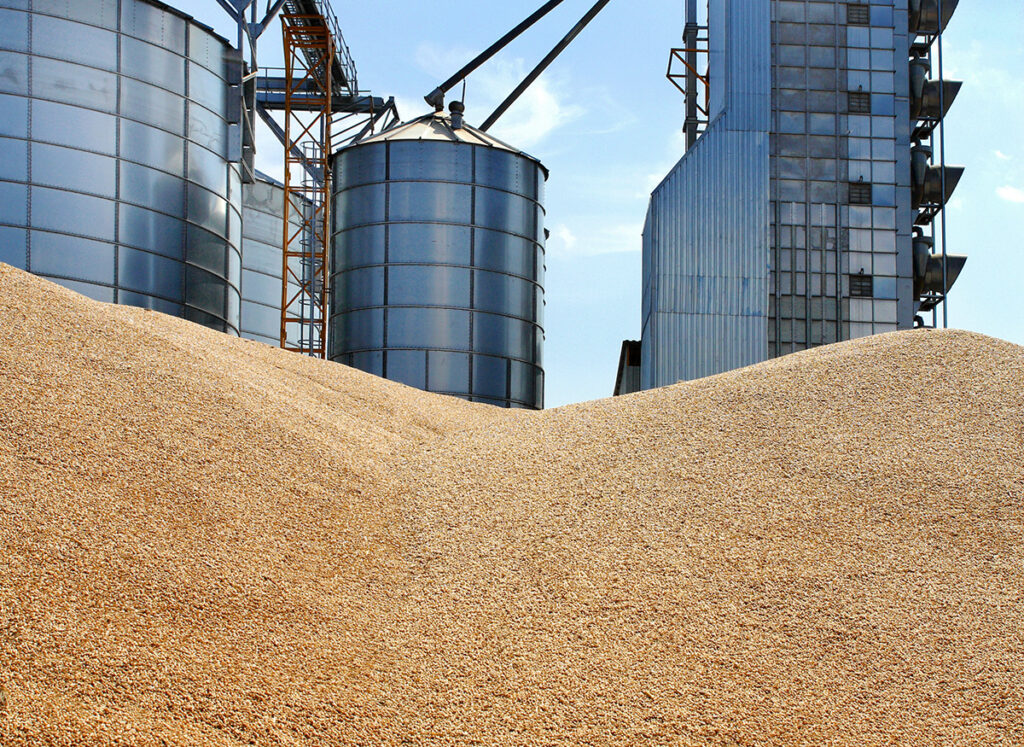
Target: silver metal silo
(438, 262)
(262, 230)
(117, 172)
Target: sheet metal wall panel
(748, 68)
(262, 235)
(437, 268)
(705, 244)
(81, 172)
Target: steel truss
(309, 48)
(693, 84)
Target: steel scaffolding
(309, 49)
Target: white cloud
(410, 108)
(542, 109)
(440, 62)
(1010, 194)
(585, 241)
(999, 86)
(650, 181)
(1002, 156)
(563, 234)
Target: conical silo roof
(437, 126)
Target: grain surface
(208, 541)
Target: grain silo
(262, 229)
(438, 261)
(118, 122)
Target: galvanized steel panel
(262, 238)
(705, 247)
(119, 218)
(437, 272)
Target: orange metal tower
(309, 48)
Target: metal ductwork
(922, 253)
(933, 276)
(928, 269)
(926, 179)
(924, 15)
(935, 99)
(927, 99)
(920, 69)
(920, 162)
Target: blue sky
(606, 122)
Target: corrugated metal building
(705, 243)
(790, 222)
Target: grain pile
(208, 541)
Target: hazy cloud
(1002, 156)
(1011, 194)
(675, 147)
(583, 241)
(650, 181)
(440, 62)
(565, 236)
(542, 109)
(976, 65)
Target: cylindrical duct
(924, 18)
(438, 262)
(920, 162)
(937, 97)
(922, 246)
(920, 68)
(116, 173)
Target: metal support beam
(942, 163)
(279, 133)
(387, 113)
(691, 82)
(309, 55)
(230, 9)
(690, 42)
(271, 93)
(543, 64)
(436, 97)
(272, 11)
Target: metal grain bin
(262, 232)
(438, 262)
(116, 177)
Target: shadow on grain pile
(207, 540)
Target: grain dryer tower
(438, 261)
(808, 208)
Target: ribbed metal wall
(262, 236)
(116, 173)
(437, 267)
(705, 244)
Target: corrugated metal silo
(438, 262)
(262, 233)
(116, 166)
